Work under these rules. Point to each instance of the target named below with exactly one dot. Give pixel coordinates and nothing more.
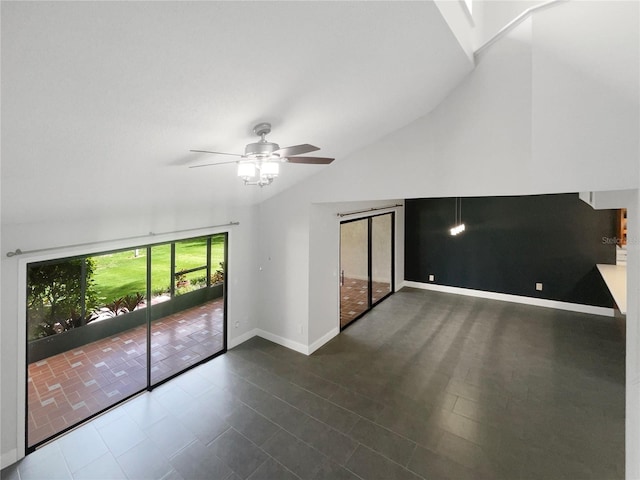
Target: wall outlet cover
(539, 287)
(432, 278)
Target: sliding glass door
(366, 264)
(181, 336)
(104, 327)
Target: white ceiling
(101, 101)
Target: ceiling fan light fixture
(246, 170)
(269, 169)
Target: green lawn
(122, 273)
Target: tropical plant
(130, 302)
(116, 307)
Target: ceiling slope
(102, 101)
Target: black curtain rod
(150, 234)
(369, 210)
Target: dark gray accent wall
(510, 243)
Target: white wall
(491, 15)
(283, 246)
(460, 22)
(61, 232)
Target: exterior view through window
(103, 327)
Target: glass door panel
(354, 270)
(187, 322)
(86, 347)
(381, 256)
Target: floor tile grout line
(280, 427)
(413, 442)
(346, 434)
(286, 379)
(386, 458)
(304, 389)
(231, 427)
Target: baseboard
(324, 339)
(285, 342)
(401, 285)
(8, 458)
(234, 342)
(505, 297)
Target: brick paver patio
(69, 387)
(353, 297)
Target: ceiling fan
(260, 163)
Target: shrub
(218, 275)
(54, 295)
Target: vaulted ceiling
(102, 101)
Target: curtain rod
(369, 210)
(150, 234)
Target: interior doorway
(366, 264)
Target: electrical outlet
(432, 278)
(539, 287)
(237, 324)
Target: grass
(122, 273)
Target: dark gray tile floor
(427, 385)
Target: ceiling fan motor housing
(260, 149)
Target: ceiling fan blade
(217, 153)
(311, 160)
(296, 150)
(211, 164)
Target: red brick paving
(353, 297)
(69, 387)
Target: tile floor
(354, 297)
(70, 387)
(426, 385)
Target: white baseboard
(235, 341)
(322, 340)
(8, 458)
(285, 342)
(505, 297)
